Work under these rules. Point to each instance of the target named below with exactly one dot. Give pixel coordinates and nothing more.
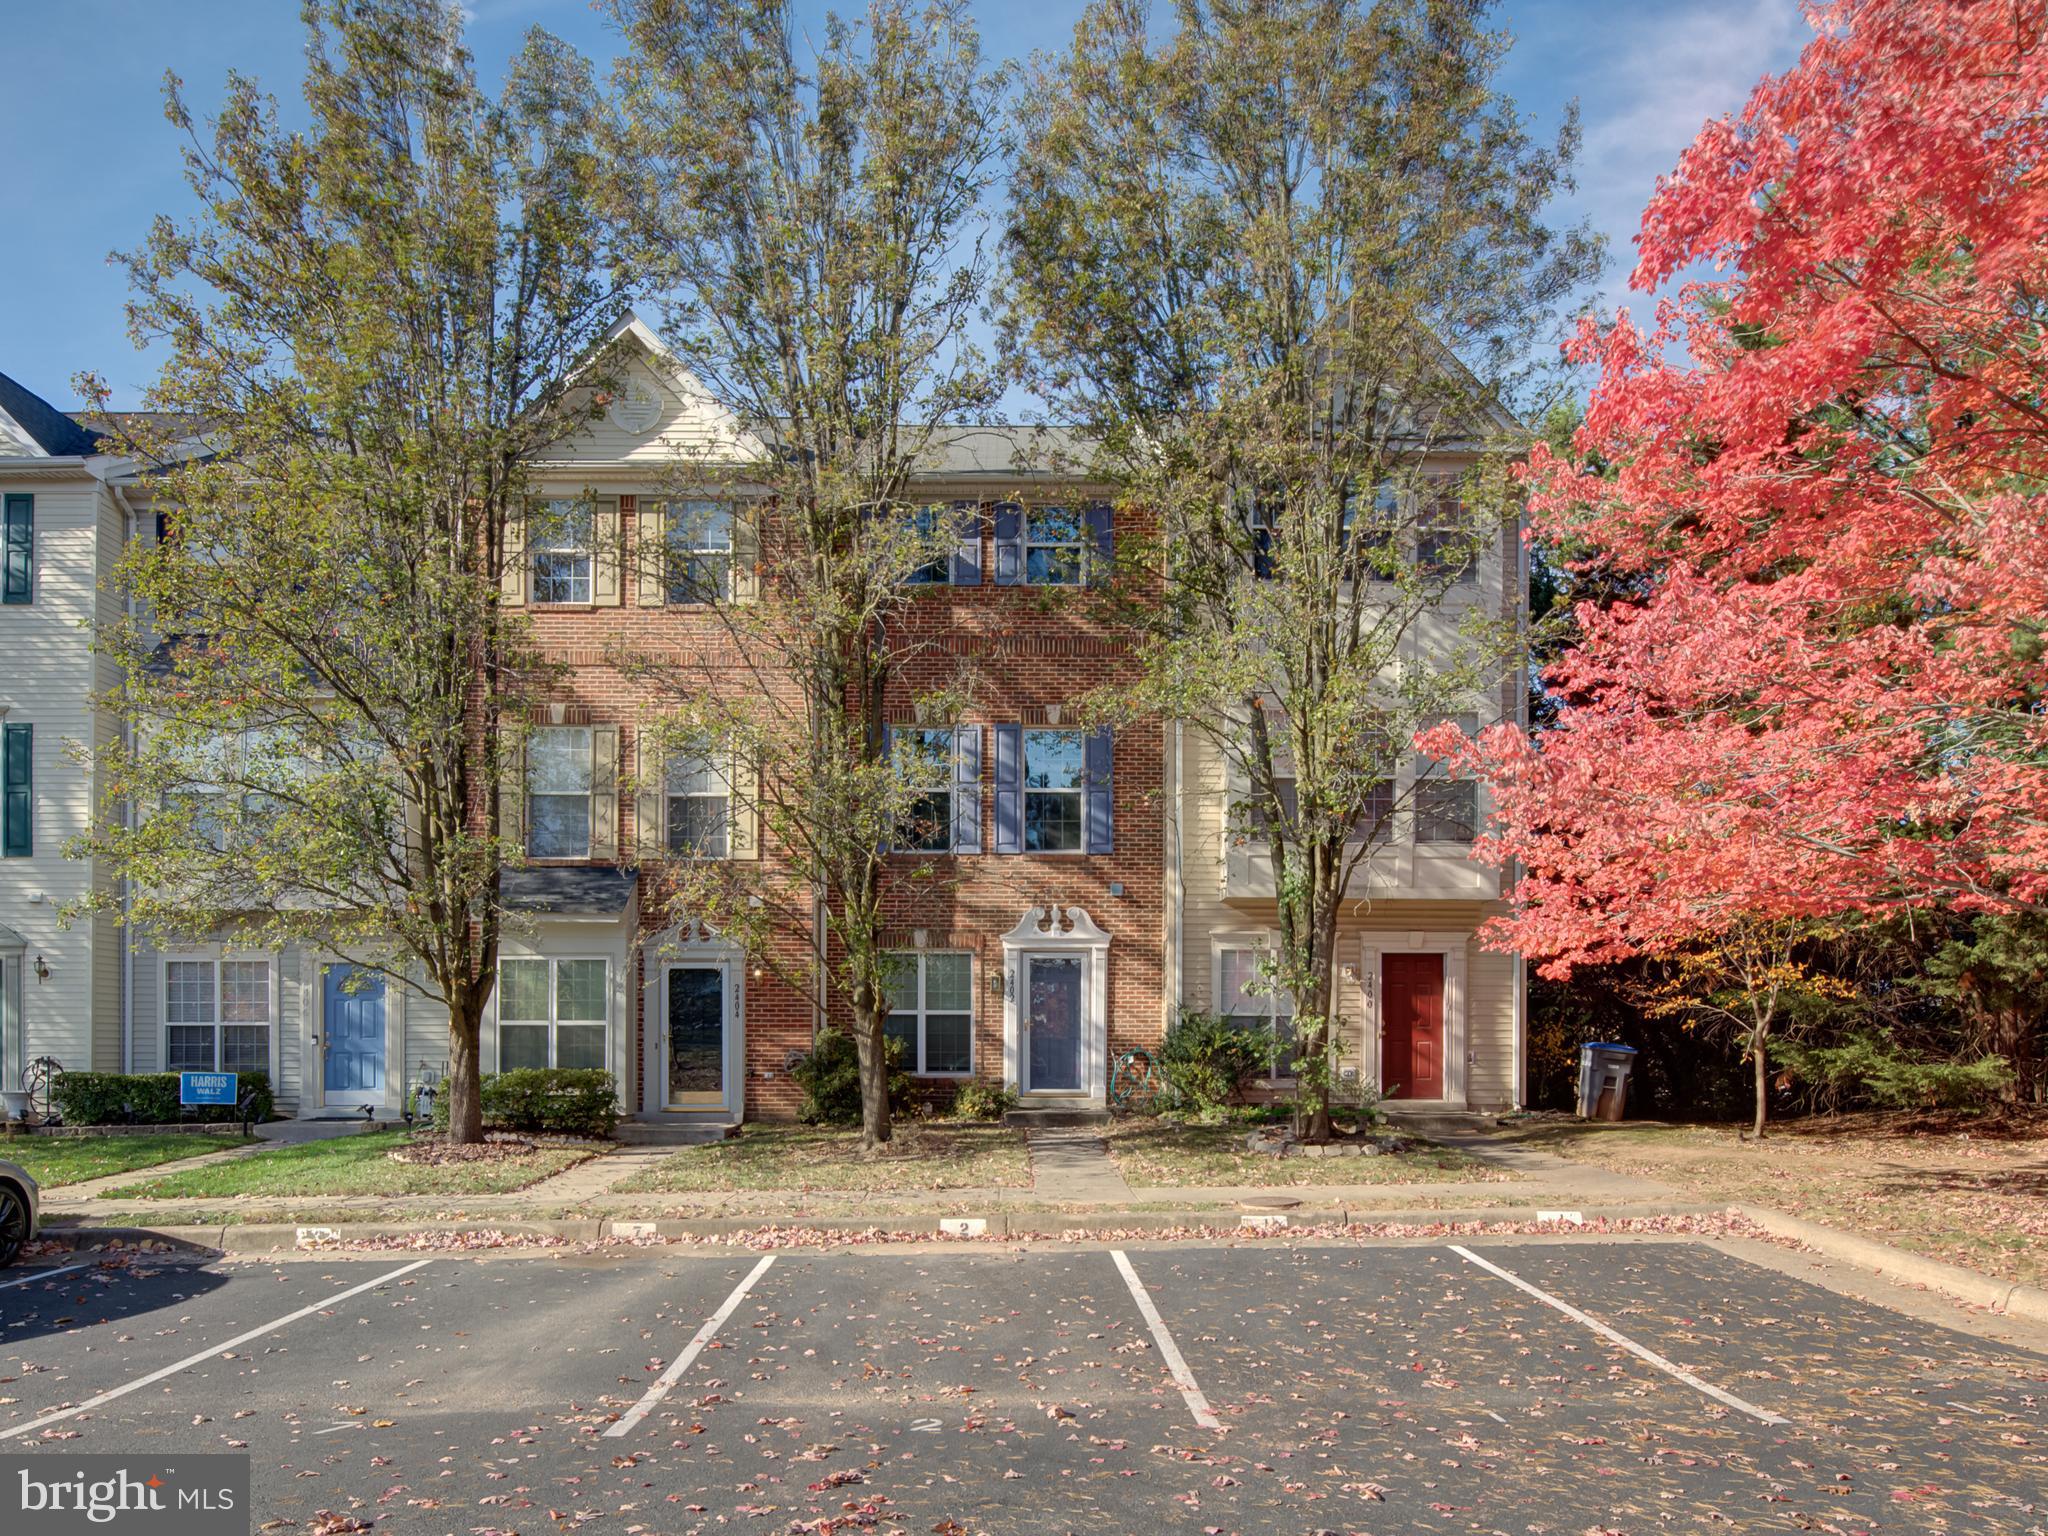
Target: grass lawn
(53, 1161)
(353, 1165)
(804, 1157)
(1974, 1194)
(1155, 1153)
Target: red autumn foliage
(1829, 698)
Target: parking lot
(1266, 1386)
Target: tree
(1826, 698)
(1288, 264)
(816, 234)
(371, 325)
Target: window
(17, 809)
(1446, 809)
(551, 1013)
(559, 782)
(1055, 546)
(217, 1015)
(931, 1010)
(699, 806)
(1374, 547)
(1248, 999)
(699, 552)
(1444, 539)
(1054, 777)
(563, 542)
(20, 551)
(931, 531)
(925, 760)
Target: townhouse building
(1079, 886)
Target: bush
(552, 1101)
(978, 1100)
(1206, 1060)
(146, 1098)
(1874, 1067)
(830, 1078)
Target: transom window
(699, 552)
(1055, 774)
(1055, 546)
(699, 791)
(931, 1010)
(925, 760)
(551, 1013)
(561, 536)
(1248, 999)
(217, 1015)
(558, 784)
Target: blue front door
(355, 1031)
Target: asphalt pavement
(1264, 1386)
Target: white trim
(553, 960)
(216, 953)
(691, 945)
(1452, 945)
(1267, 939)
(922, 1012)
(1069, 933)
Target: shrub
(978, 1100)
(1875, 1067)
(553, 1101)
(146, 1098)
(830, 1078)
(1206, 1060)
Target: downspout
(1514, 868)
(1176, 889)
(128, 821)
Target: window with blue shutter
(1099, 828)
(1101, 520)
(1009, 545)
(1009, 788)
(966, 562)
(967, 789)
(20, 582)
(17, 822)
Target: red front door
(1412, 1026)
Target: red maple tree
(1829, 697)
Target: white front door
(697, 1015)
(1056, 1009)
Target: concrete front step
(1036, 1116)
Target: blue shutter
(1009, 547)
(1262, 544)
(19, 586)
(967, 789)
(1099, 824)
(1009, 789)
(17, 835)
(1102, 530)
(966, 563)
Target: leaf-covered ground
(791, 1157)
(1161, 1154)
(54, 1161)
(1974, 1194)
(353, 1165)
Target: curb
(2007, 1298)
(265, 1237)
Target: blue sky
(92, 159)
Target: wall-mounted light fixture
(42, 970)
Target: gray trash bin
(1603, 1079)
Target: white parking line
(668, 1378)
(15, 1431)
(44, 1274)
(1183, 1378)
(1612, 1336)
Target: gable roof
(32, 428)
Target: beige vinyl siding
(686, 426)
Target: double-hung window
(1446, 809)
(699, 552)
(931, 531)
(699, 791)
(563, 541)
(551, 1013)
(559, 784)
(1249, 999)
(924, 758)
(1055, 546)
(931, 1010)
(1444, 537)
(1055, 776)
(217, 1015)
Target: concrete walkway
(1072, 1167)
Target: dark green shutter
(17, 840)
(21, 549)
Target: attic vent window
(635, 408)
